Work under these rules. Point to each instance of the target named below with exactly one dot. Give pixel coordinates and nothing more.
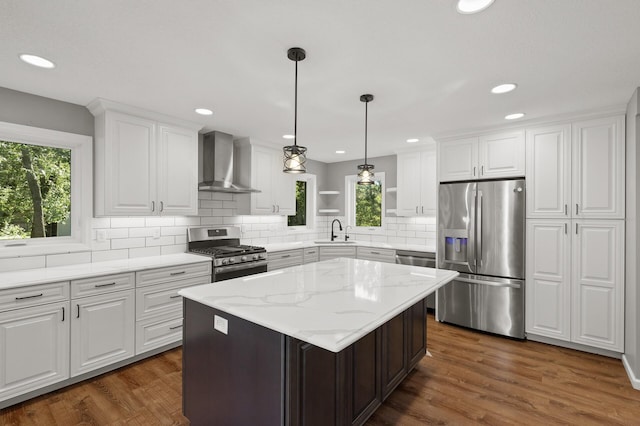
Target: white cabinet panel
(548, 287)
(598, 168)
(331, 252)
(376, 254)
(284, 259)
(34, 348)
(501, 155)
(458, 160)
(102, 330)
(549, 171)
(158, 331)
(417, 184)
(178, 171)
(311, 254)
(598, 284)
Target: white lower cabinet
(284, 259)
(34, 348)
(377, 254)
(158, 331)
(332, 252)
(311, 254)
(102, 330)
(575, 281)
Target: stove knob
(232, 260)
(243, 258)
(256, 257)
(225, 261)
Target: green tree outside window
(369, 204)
(300, 218)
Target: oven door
(222, 273)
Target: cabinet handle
(576, 229)
(63, 314)
(311, 252)
(565, 228)
(104, 285)
(482, 171)
(173, 274)
(30, 297)
(474, 171)
(153, 206)
(273, 208)
(278, 205)
(175, 296)
(284, 256)
(375, 252)
(422, 209)
(78, 314)
(576, 208)
(416, 209)
(565, 209)
(175, 327)
(161, 206)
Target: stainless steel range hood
(217, 165)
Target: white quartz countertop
(71, 272)
(330, 304)
(275, 247)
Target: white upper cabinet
(496, 155)
(549, 171)
(576, 171)
(416, 183)
(145, 164)
(598, 168)
(278, 189)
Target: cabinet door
(130, 165)
(284, 188)
(598, 284)
(501, 155)
(428, 183)
(102, 330)
(262, 172)
(409, 184)
(458, 160)
(549, 172)
(548, 287)
(416, 333)
(598, 168)
(394, 353)
(34, 348)
(177, 171)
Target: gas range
(230, 258)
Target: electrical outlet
(101, 235)
(221, 324)
(156, 233)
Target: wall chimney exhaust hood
(217, 165)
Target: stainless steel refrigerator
(481, 230)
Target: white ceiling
(429, 67)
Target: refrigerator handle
(479, 230)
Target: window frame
(311, 180)
(350, 205)
(81, 190)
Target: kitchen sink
(335, 242)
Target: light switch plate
(221, 324)
(101, 235)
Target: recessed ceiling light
(340, 152)
(514, 116)
(204, 111)
(504, 88)
(472, 6)
(413, 140)
(288, 136)
(37, 61)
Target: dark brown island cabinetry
(254, 375)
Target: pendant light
(295, 156)
(365, 174)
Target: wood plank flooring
(470, 378)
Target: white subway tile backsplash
(19, 263)
(68, 259)
(103, 256)
(100, 245)
(173, 230)
(230, 204)
(187, 221)
(144, 252)
(204, 214)
(118, 233)
(204, 195)
(174, 249)
(162, 241)
(127, 222)
(231, 220)
(210, 204)
(225, 213)
(144, 232)
(127, 243)
(222, 196)
(101, 222)
(181, 239)
(160, 221)
(210, 220)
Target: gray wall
(37, 111)
(337, 171)
(632, 240)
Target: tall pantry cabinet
(575, 232)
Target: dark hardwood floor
(470, 378)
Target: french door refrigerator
(481, 230)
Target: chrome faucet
(346, 232)
(333, 236)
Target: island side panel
(417, 333)
(231, 379)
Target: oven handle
(240, 266)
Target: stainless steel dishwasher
(419, 258)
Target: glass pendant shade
(295, 157)
(365, 173)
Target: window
(365, 203)
(305, 202)
(45, 190)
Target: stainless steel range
(230, 258)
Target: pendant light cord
(366, 114)
(295, 114)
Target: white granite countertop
(330, 304)
(275, 247)
(71, 272)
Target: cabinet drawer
(159, 331)
(21, 297)
(104, 284)
(311, 254)
(284, 259)
(377, 254)
(163, 298)
(172, 273)
(333, 252)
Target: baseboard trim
(572, 345)
(635, 382)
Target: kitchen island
(322, 343)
